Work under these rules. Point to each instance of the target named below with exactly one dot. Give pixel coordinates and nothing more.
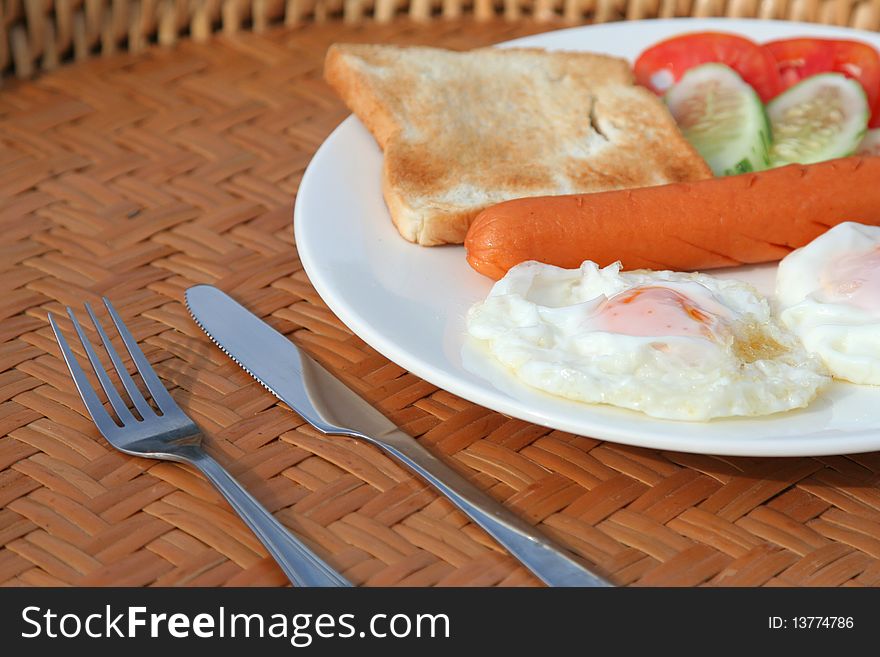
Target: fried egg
(829, 295)
(671, 345)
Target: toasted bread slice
(462, 131)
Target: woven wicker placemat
(40, 35)
(136, 177)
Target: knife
(332, 408)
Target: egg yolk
(652, 311)
(855, 280)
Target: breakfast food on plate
(829, 294)
(770, 68)
(664, 63)
(749, 218)
(723, 118)
(819, 96)
(672, 345)
(800, 58)
(822, 118)
(461, 131)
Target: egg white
(844, 334)
(539, 322)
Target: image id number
(811, 622)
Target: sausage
(719, 222)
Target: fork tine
(96, 409)
(160, 395)
(128, 383)
(113, 395)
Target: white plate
(409, 302)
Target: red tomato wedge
(663, 64)
(800, 58)
(875, 115)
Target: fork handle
(301, 565)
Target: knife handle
(537, 552)
(302, 566)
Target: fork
(172, 436)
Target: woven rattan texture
(136, 177)
(37, 35)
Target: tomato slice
(800, 58)
(663, 64)
(875, 115)
(860, 62)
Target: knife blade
(333, 408)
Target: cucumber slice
(870, 143)
(723, 118)
(823, 117)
